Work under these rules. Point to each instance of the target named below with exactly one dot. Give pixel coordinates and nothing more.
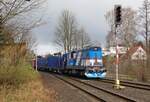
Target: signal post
(118, 21)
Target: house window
(137, 56)
(143, 56)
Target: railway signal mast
(118, 21)
(118, 15)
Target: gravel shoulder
(139, 94)
(64, 92)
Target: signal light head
(118, 14)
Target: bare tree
(144, 17)
(13, 8)
(128, 28)
(14, 29)
(68, 35)
(110, 39)
(65, 30)
(11, 12)
(81, 39)
(84, 38)
(76, 39)
(110, 36)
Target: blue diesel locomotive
(87, 62)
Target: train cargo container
(41, 63)
(54, 62)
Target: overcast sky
(89, 14)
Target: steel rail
(83, 90)
(95, 87)
(129, 84)
(107, 91)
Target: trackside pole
(117, 81)
(36, 62)
(117, 21)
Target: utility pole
(36, 60)
(118, 21)
(1, 35)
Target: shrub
(16, 75)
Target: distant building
(121, 50)
(135, 53)
(105, 52)
(112, 51)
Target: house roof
(131, 51)
(128, 54)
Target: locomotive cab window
(95, 55)
(73, 54)
(95, 49)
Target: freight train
(85, 62)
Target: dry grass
(129, 69)
(23, 84)
(32, 91)
(18, 81)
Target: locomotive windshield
(95, 57)
(95, 53)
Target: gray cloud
(89, 14)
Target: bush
(16, 75)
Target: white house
(139, 54)
(135, 53)
(105, 52)
(121, 50)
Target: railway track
(128, 84)
(101, 94)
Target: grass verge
(22, 84)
